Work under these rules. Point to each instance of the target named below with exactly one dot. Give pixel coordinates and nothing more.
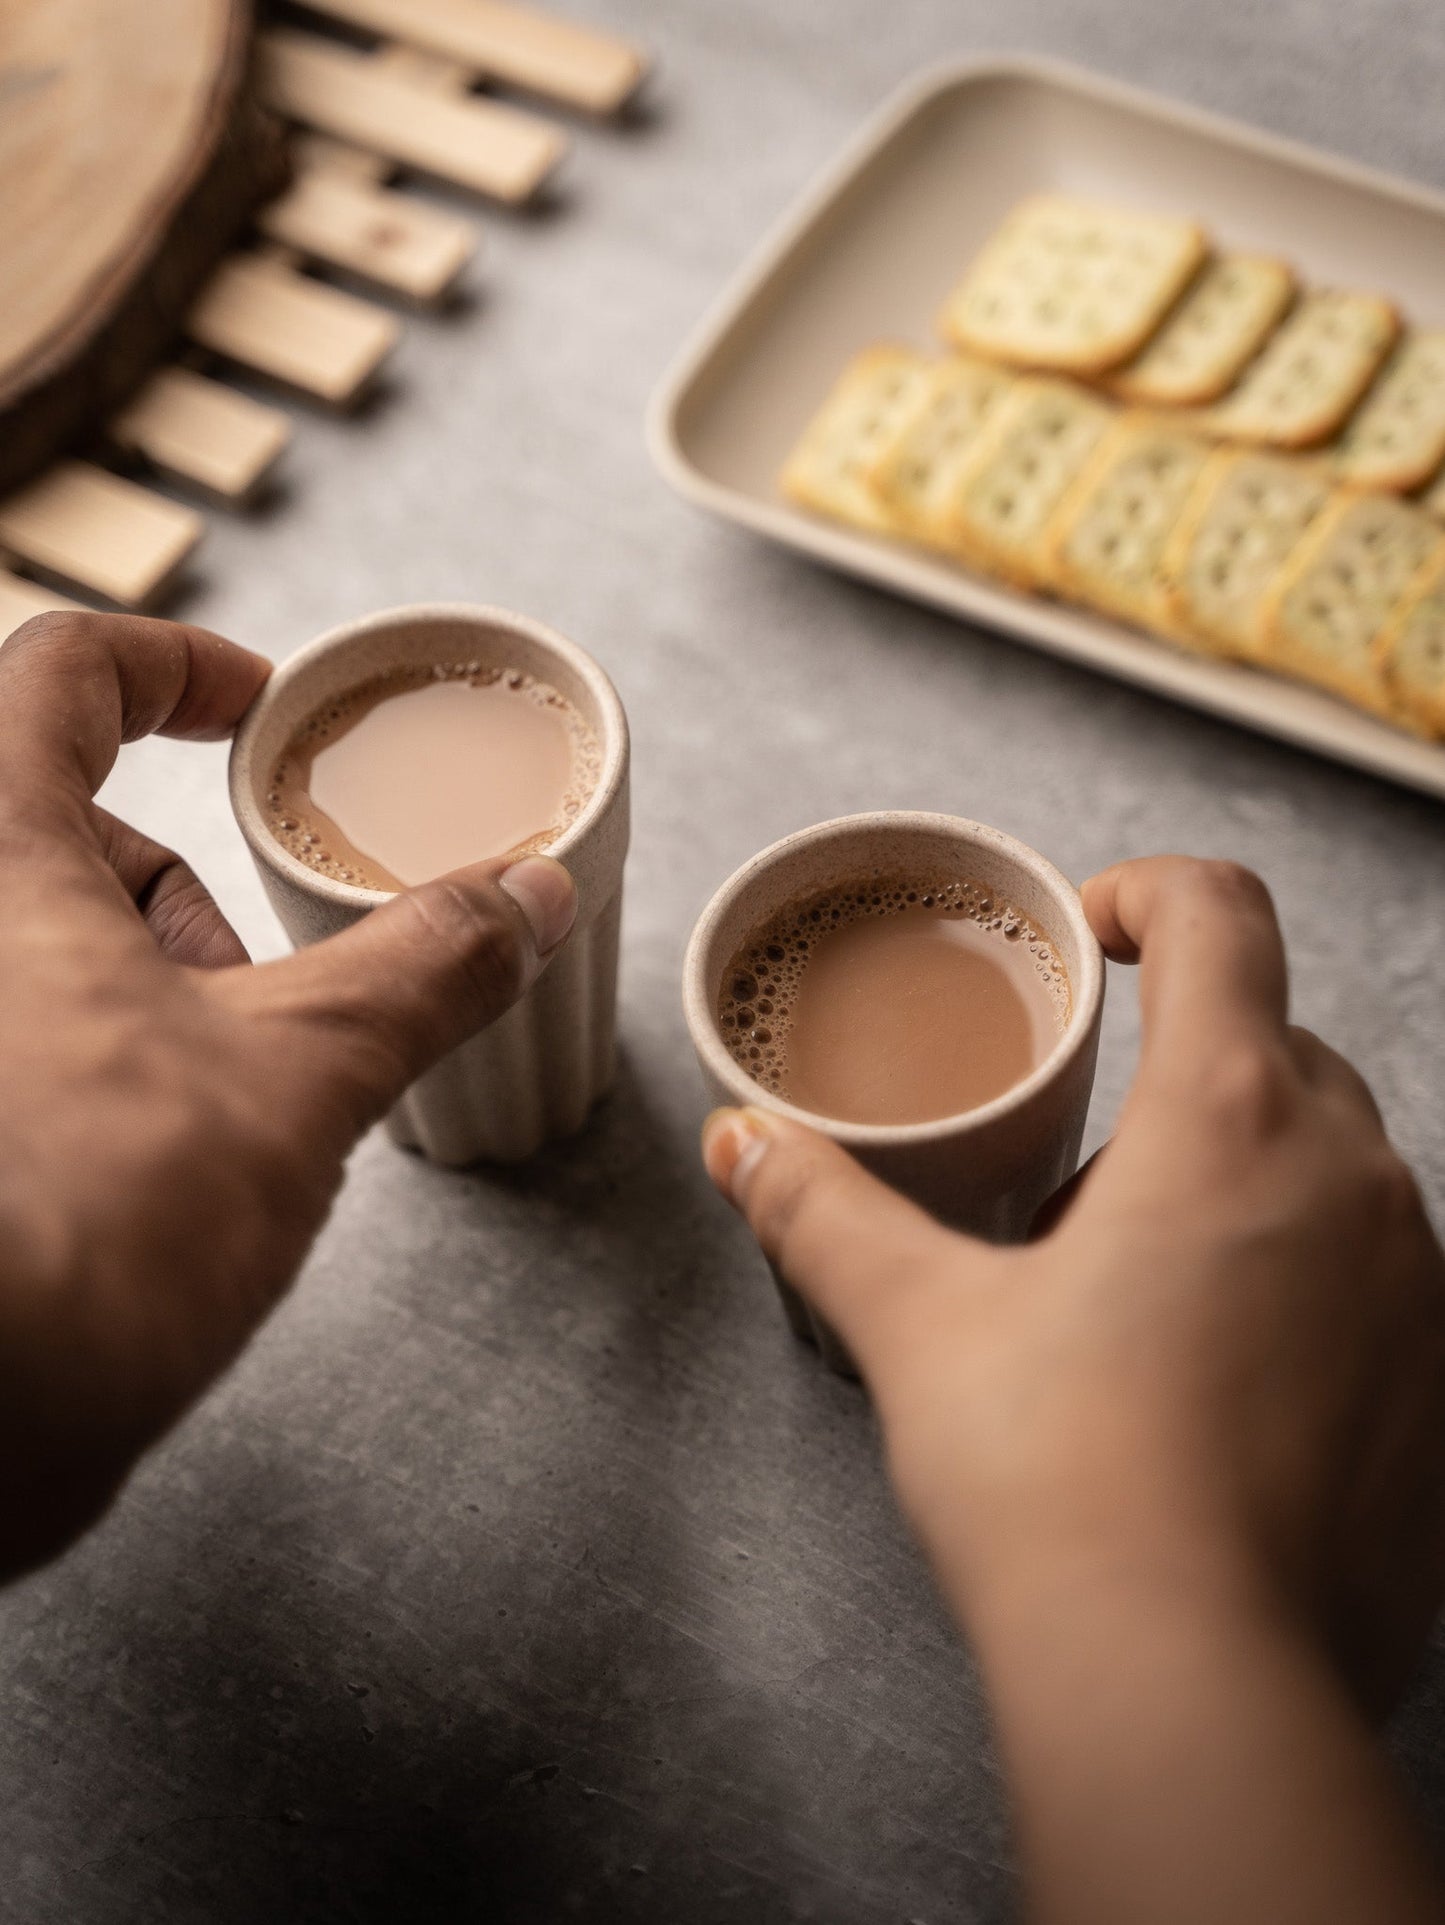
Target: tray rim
(1220, 688)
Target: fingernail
(734, 1142)
(544, 892)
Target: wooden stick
(20, 599)
(132, 155)
(572, 64)
(399, 243)
(490, 149)
(297, 331)
(209, 435)
(104, 534)
(434, 71)
(319, 153)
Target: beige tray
(877, 242)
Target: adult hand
(1179, 1463)
(175, 1120)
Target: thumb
(365, 1012)
(869, 1261)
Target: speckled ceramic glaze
(533, 1075)
(988, 1169)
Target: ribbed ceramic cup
(536, 1072)
(986, 1170)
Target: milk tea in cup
(421, 770)
(894, 999)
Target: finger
(1208, 945)
(74, 686)
(356, 1018)
(1052, 1211)
(1324, 1069)
(863, 1256)
(174, 904)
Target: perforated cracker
(1396, 437)
(828, 469)
(1110, 534)
(1310, 373)
(1038, 442)
(1072, 286)
(1247, 515)
(1327, 611)
(1410, 650)
(1433, 498)
(1220, 325)
(916, 472)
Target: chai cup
(534, 1074)
(986, 1170)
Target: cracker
(1110, 533)
(827, 470)
(1309, 374)
(1219, 326)
(1433, 499)
(1248, 514)
(1072, 286)
(1410, 651)
(1004, 496)
(915, 472)
(1396, 437)
(1324, 617)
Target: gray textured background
(524, 1569)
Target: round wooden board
(131, 154)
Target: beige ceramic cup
(533, 1075)
(988, 1169)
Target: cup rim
(241, 770)
(1086, 994)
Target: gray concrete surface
(524, 1569)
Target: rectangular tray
(877, 242)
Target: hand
(1213, 1390)
(175, 1121)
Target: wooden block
(430, 70)
(311, 337)
(572, 64)
(94, 529)
(20, 599)
(132, 156)
(399, 243)
(202, 432)
(319, 153)
(490, 149)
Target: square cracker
(1309, 374)
(827, 470)
(1433, 499)
(1410, 650)
(1325, 614)
(1219, 325)
(1072, 286)
(915, 471)
(1396, 437)
(1004, 496)
(1246, 517)
(1109, 535)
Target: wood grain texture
(20, 599)
(475, 143)
(299, 332)
(92, 528)
(220, 441)
(397, 242)
(132, 154)
(596, 72)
